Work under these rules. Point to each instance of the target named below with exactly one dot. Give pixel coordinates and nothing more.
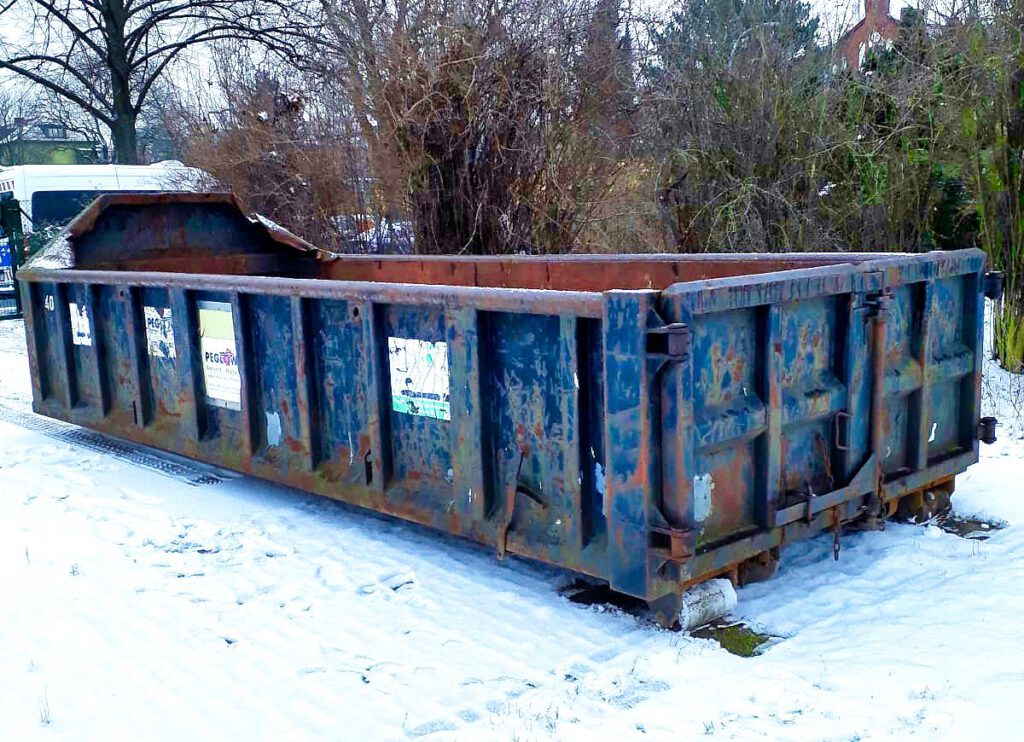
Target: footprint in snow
(431, 727)
(400, 581)
(333, 576)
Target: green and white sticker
(419, 377)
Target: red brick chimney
(876, 19)
(875, 7)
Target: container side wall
(593, 462)
(729, 415)
(470, 429)
(930, 373)
(632, 440)
(341, 368)
(278, 415)
(902, 377)
(87, 345)
(660, 440)
(226, 430)
(119, 371)
(950, 366)
(164, 361)
(418, 408)
(47, 382)
(812, 394)
(541, 399)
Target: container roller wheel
(700, 605)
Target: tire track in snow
(102, 444)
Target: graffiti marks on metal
(159, 332)
(419, 377)
(220, 355)
(81, 329)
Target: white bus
(54, 194)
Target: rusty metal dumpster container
(651, 421)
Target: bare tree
(74, 119)
(105, 56)
(478, 118)
(17, 109)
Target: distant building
(875, 29)
(41, 142)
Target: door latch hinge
(842, 430)
(676, 539)
(877, 304)
(669, 342)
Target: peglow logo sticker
(220, 355)
(159, 331)
(225, 357)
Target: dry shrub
(497, 127)
(272, 143)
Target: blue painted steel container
(651, 421)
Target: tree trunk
(123, 131)
(125, 138)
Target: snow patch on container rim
(57, 254)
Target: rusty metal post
(771, 444)
(878, 333)
(922, 397)
(631, 441)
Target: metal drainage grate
(102, 444)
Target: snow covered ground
(134, 605)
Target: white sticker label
(220, 356)
(81, 330)
(419, 378)
(703, 491)
(159, 332)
